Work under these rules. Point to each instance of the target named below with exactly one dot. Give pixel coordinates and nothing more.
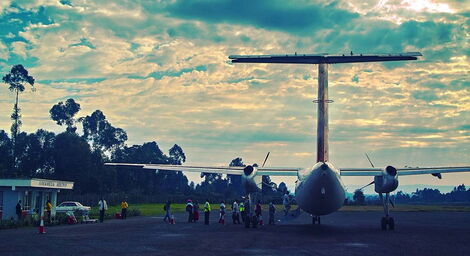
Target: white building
(33, 193)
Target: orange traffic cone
(42, 229)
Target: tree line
(460, 194)
(79, 156)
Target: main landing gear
(386, 221)
(315, 220)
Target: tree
(283, 188)
(6, 159)
(74, 161)
(101, 134)
(359, 197)
(63, 114)
(177, 156)
(35, 154)
(17, 77)
(235, 181)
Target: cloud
(161, 72)
(294, 17)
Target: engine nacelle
(388, 181)
(250, 181)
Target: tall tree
(101, 134)
(17, 78)
(63, 113)
(177, 155)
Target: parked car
(70, 206)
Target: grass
(145, 209)
(157, 209)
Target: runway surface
(341, 233)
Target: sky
(160, 70)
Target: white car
(70, 206)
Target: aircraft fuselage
(319, 190)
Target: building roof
(37, 183)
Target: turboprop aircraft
(319, 189)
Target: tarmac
(341, 233)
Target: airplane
(319, 189)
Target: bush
(133, 212)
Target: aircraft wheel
(383, 223)
(255, 222)
(391, 223)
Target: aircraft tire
(391, 223)
(383, 223)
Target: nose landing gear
(315, 220)
(387, 220)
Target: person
(207, 212)
(189, 209)
(286, 203)
(196, 211)
(48, 210)
(19, 210)
(124, 207)
(247, 213)
(242, 210)
(222, 213)
(235, 212)
(272, 211)
(167, 209)
(258, 212)
(103, 207)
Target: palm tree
(17, 77)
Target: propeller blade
(367, 185)
(265, 159)
(369, 160)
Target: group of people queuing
(239, 209)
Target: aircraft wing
(272, 171)
(402, 171)
(278, 171)
(183, 168)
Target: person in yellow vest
(207, 212)
(49, 210)
(124, 207)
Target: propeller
(369, 160)
(266, 159)
(272, 184)
(367, 185)
(372, 167)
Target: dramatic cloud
(159, 69)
